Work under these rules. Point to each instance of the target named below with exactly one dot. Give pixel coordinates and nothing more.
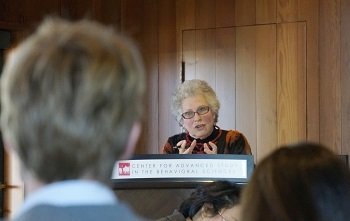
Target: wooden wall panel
(330, 82)
(189, 54)
(266, 90)
(11, 11)
(291, 83)
(345, 76)
(40, 10)
(185, 14)
(76, 9)
(185, 20)
(245, 11)
(149, 48)
(287, 10)
(14, 195)
(167, 69)
(205, 14)
(131, 25)
(301, 81)
(225, 13)
(311, 16)
(131, 19)
(266, 11)
(28, 13)
(307, 12)
(108, 12)
(226, 76)
(205, 55)
(246, 83)
(139, 20)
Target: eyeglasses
(224, 219)
(200, 111)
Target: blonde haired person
(71, 97)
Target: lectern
(156, 184)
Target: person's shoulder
(175, 216)
(232, 133)
(238, 139)
(179, 136)
(80, 213)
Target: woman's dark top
(176, 216)
(227, 141)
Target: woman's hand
(212, 150)
(182, 147)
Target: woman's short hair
(192, 88)
(219, 194)
(71, 93)
(305, 181)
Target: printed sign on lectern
(175, 168)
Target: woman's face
(231, 214)
(199, 126)
(227, 214)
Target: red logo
(124, 169)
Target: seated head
(305, 181)
(214, 201)
(71, 98)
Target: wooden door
(259, 74)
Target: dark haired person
(218, 200)
(301, 182)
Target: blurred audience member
(214, 201)
(71, 98)
(302, 182)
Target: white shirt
(69, 193)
